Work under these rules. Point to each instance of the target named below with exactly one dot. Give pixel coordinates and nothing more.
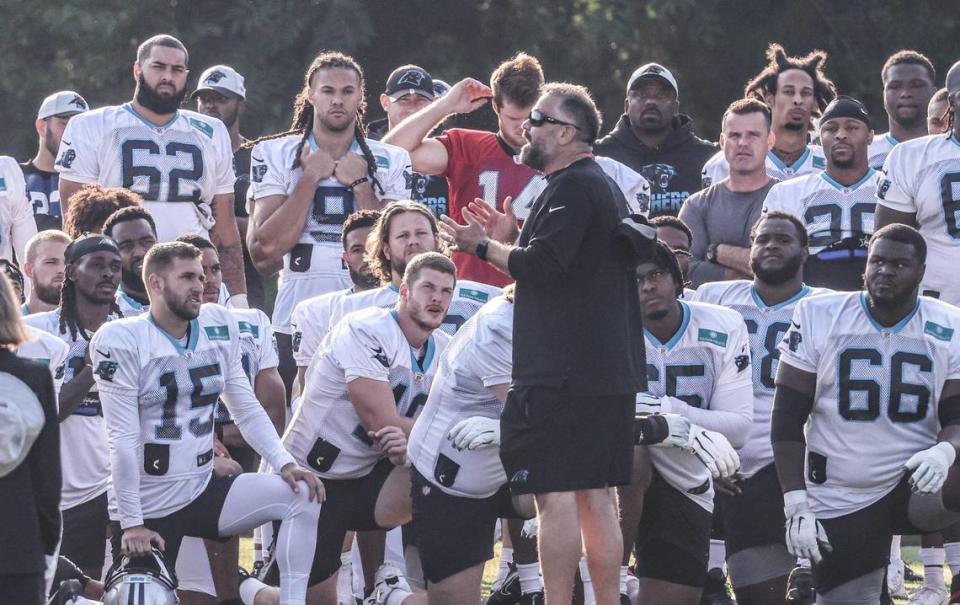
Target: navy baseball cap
(409, 79)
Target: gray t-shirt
(717, 215)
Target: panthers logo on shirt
(106, 370)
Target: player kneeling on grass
(365, 385)
(867, 401)
(698, 366)
(160, 376)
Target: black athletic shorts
(552, 441)
(85, 533)
(199, 519)
(755, 517)
(673, 539)
(23, 588)
(454, 533)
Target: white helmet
(143, 580)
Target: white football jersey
(830, 211)
(468, 297)
(635, 188)
(159, 398)
(84, 458)
(879, 149)
(480, 356)
(877, 393)
(811, 160)
(922, 177)
(177, 168)
(46, 348)
(315, 265)
(258, 349)
(15, 206)
(709, 354)
(766, 326)
(310, 322)
(325, 433)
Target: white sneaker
(387, 580)
(895, 579)
(345, 585)
(928, 595)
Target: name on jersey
(249, 328)
(477, 295)
(202, 127)
(217, 332)
(937, 331)
(712, 336)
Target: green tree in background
(712, 46)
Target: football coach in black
(567, 429)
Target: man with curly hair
(797, 90)
(92, 204)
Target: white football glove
(805, 536)
(531, 527)
(475, 432)
(930, 467)
(714, 451)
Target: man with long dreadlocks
(179, 161)
(796, 89)
(306, 181)
(86, 303)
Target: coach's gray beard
(533, 156)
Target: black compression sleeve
(791, 409)
(948, 411)
(648, 430)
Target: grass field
(910, 556)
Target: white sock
(345, 576)
(952, 551)
(249, 589)
(588, 597)
(530, 580)
(623, 578)
(932, 559)
(506, 558)
(718, 555)
(895, 549)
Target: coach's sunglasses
(538, 118)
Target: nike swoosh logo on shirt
(554, 209)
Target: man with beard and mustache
(836, 205)
(721, 215)
(310, 320)
(751, 511)
(39, 173)
(44, 265)
(795, 89)
(581, 363)
(86, 303)
(135, 233)
(909, 81)
(161, 376)
(656, 140)
(221, 94)
(179, 161)
(865, 420)
(362, 393)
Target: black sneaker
(509, 591)
(800, 589)
(68, 591)
(955, 589)
(715, 590)
(625, 599)
(530, 598)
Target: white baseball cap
(222, 79)
(21, 419)
(653, 70)
(63, 103)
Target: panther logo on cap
(214, 77)
(79, 102)
(654, 69)
(411, 77)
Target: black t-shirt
(577, 311)
(241, 166)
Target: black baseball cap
(409, 79)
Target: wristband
(359, 181)
(650, 430)
(481, 251)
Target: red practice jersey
(481, 165)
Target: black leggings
(288, 366)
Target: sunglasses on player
(538, 118)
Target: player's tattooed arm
(226, 237)
(792, 404)
(66, 189)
